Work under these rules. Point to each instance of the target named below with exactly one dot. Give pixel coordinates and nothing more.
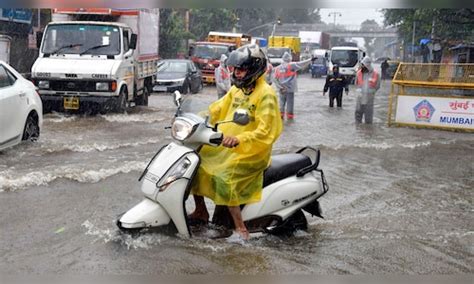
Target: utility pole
(413, 41)
(334, 14)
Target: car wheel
(121, 103)
(32, 130)
(185, 88)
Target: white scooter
(291, 184)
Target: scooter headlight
(181, 129)
(177, 171)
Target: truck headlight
(102, 86)
(181, 129)
(181, 81)
(43, 84)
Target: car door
(12, 116)
(195, 76)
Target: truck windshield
(82, 39)
(210, 51)
(344, 58)
(277, 52)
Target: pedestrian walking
(285, 80)
(384, 68)
(336, 84)
(222, 76)
(367, 83)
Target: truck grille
(72, 85)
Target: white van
(348, 59)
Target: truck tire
(121, 102)
(143, 99)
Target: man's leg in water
(238, 222)
(201, 211)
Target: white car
(21, 109)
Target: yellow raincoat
(234, 176)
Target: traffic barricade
(433, 95)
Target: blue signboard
(16, 15)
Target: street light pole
(334, 14)
(413, 41)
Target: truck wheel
(143, 99)
(121, 102)
(32, 130)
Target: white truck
(97, 60)
(5, 42)
(347, 58)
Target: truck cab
(207, 54)
(92, 66)
(348, 59)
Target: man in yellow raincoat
(232, 174)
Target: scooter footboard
(145, 214)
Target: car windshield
(319, 60)
(344, 58)
(209, 51)
(85, 39)
(276, 52)
(172, 66)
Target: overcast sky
(351, 16)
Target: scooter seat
(283, 166)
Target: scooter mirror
(241, 116)
(177, 98)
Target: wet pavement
(400, 199)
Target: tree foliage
(447, 24)
(172, 33)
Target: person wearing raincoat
(285, 80)
(367, 84)
(232, 174)
(222, 76)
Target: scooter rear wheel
(295, 222)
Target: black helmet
(251, 58)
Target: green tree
(172, 33)
(368, 26)
(447, 24)
(204, 20)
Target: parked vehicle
(21, 110)
(97, 65)
(292, 44)
(348, 59)
(319, 67)
(293, 183)
(178, 74)
(5, 43)
(275, 54)
(207, 54)
(311, 40)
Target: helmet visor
(238, 57)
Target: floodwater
(400, 199)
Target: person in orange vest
(367, 84)
(222, 76)
(285, 80)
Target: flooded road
(400, 199)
